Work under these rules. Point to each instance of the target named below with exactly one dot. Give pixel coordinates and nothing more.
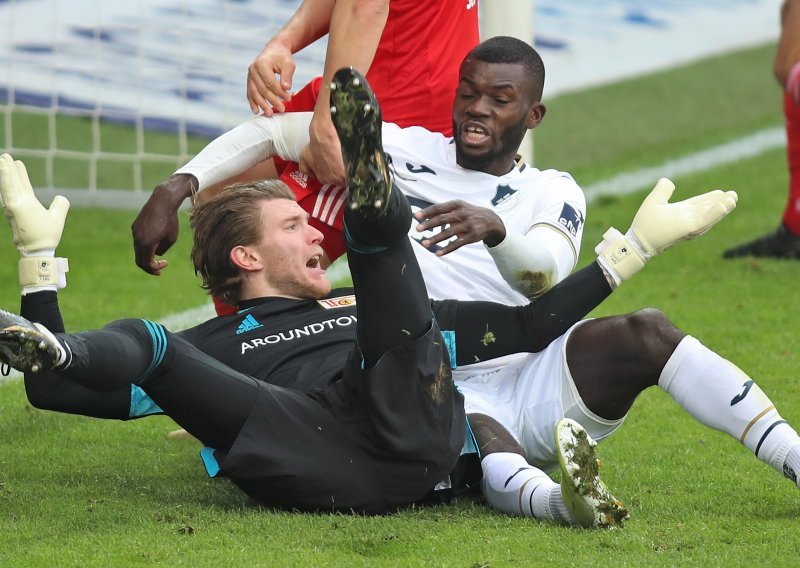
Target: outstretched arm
(354, 30)
(484, 330)
(309, 23)
(659, 225)
(155, 229)
(37, 231)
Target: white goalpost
(511, 18)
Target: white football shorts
(529, 395)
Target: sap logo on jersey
(571, 219)
(249, 323)
(340, 302)
(298, 332)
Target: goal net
(103, 100)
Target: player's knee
(39, 397)
(129, 326)
(146, 345)
(649, 323)
(653, 334)
(49, 391)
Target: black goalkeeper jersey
(298, 344)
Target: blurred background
(108, 98)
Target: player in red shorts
(784, 242)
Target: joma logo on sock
(740, 397)
(789, 473)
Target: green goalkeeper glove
(37, 231)
(659, 225)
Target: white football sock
(791, 467)
(64, 357)
(558, 509)
(720, 395)
(513, 486)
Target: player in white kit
(513, 231)
(521, 391)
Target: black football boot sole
(24, 347)
(357, 118)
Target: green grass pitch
(76, 491)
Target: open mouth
(314, 261)
(474, 134)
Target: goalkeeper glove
(37, 231)
(658, 225)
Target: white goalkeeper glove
(37, 231)
(658, 225)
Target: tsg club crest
(502, 195)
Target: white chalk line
(624, 184)
(747, 147)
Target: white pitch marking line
(743, 148)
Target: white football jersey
(426, 171)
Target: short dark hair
(505, 49)
(233, 218)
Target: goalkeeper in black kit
(308, 398)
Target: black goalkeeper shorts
(376, 440)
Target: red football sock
(791, 215)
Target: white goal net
(113, 96)
(103, 99)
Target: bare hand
(468, 223)
(322, 158)
(155, 229)
(264, 91)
